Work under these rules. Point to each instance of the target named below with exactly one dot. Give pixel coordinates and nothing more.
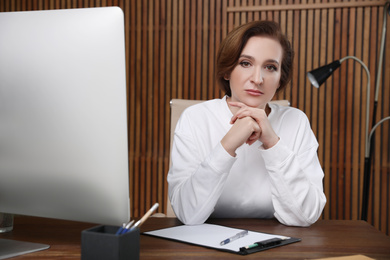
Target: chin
(256, 104)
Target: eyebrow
(251, 58)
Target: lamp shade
(319, 76)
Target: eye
(245, 64)
(271, 67)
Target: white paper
(210, 235)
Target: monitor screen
(63, 115)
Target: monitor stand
(11, 248)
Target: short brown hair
(232, 46)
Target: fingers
(254, 137)
(265, 132)
(241, 114)
(244, 111)
(244, 130)
(255, 134)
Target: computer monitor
(63, 115)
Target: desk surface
(326, 238)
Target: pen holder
(101, 242)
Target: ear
(226, 77)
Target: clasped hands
(249, 125)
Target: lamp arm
(367, 150)
(374, 128)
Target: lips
(254, 92)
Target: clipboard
(211, 235)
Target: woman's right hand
(244, 130)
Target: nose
(257, 77)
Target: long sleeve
(200, 165)
(195, 188)
(295, 174)
(296, 185)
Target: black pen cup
(101, 242)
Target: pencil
(146, 216)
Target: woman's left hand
(267, 135)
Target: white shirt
(284, 181)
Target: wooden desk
(326, 238)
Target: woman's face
(256, 77)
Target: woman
(240, 156)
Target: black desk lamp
(319, 76)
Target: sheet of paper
(210, 235)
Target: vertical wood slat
(206, 28)
(152, 121)
(198, 47)
(186, 45)
(348, 120)
(164, 105)
(315, 63)
(171, 47)
(357, 106)
(308, 62)
(302, 58)
(373, 41)
(341, 114)
(130, 100)
(327, 52)
(158, 135)
(327, 163)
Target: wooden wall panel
(171, 47)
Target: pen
(124, 228)
(264, 243)
(127, 227)
(142, 220)
(120, 229)
(236, 236)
